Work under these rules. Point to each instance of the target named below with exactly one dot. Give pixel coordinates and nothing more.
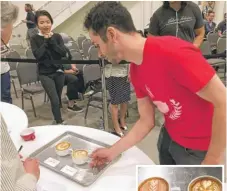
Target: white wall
(141, 12)
(220, 9)
(74, 25)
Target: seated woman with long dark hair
(48, 47)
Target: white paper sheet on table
(113, 183)
(44, 185)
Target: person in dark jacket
(48, 47)
(30, 22)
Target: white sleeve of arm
(27, 182)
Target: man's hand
(24, 21)
(31, 166)
(142, 127)
(73, 66)
(102, 156)
(214, 161)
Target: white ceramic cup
(79, 160)
(63, 152)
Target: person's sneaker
(60, 70)
(62, 123)
(75, 109)
(89, 93)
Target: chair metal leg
(33, 107)
(14, 87)
(45, 97)
(22, 99)
(127, 114)
(88, 104)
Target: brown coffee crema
(205, 184)
(154, 184)
(79, 153)
(63, 146)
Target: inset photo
(180, 178)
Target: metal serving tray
(81, 174)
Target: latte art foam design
(80, 154)
(63, 146)
(206, 185)
(153, 185)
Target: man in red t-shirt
(172, 75)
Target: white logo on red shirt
(177, 110)
(163, 107)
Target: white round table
(15, 118)
(120, 176)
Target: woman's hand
(48, 35)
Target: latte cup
(63, 152)
(208, 180)
(28, 134)
(80, 159)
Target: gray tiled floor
(44, 117)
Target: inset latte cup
(63, 148)
(205, 183)
(80, 156)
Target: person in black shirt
(48, 47)
(30, 22)
(182, 19)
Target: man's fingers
(95, 153)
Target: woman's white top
(116, 70)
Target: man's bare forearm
(138, 132)
(217, 148)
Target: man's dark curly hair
(109, 13)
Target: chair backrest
(212, 37)
(93, 53)
(29, 54)
(13, 54)
(66, 38)
(205, 48)
(86, 44)
(221, 45)
(80, 39)
(77, 56)
(74, 46)
(91, 73)
(27, 73)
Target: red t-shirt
(171, 74)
